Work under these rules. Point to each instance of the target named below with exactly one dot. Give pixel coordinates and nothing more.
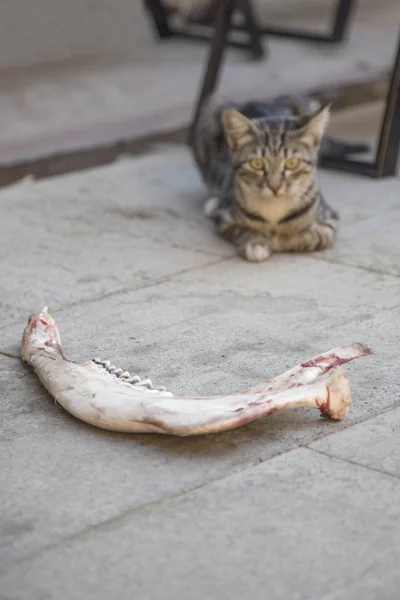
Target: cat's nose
(274, 181)
(275, 187)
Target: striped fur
(261, 175)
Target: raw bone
(100, 394)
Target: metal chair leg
(251, 26)
(216, 55)
(341, 19)
(160, 18)
(165, 29)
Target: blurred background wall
(78, 73)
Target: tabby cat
(259, 163)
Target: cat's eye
(256, 163)
(292, 163)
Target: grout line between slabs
(353, 266)
(353, 424)
(170, 277)
(353, 463)
(121, 291)
(8, 355)
(104, 525)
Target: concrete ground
(290, 507)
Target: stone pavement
(290, 507)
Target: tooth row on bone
(144, 384)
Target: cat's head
(274, 159)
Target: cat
(259, 163)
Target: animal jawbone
(105, 396)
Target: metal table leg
(389, 142)
(387, 155)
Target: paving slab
(228, 316)
(75, 237)
(223, 328)
(371, 242)
(299, 526)
(59, 476)
(369, 210)
(163, 309)
(375, 443)
(81, 236)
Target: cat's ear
(239, 130)
(312, 132)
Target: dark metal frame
(386, 158)
(387, 154)
(165, 29)
(340, 21)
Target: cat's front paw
(211, 206)
(255, 251)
